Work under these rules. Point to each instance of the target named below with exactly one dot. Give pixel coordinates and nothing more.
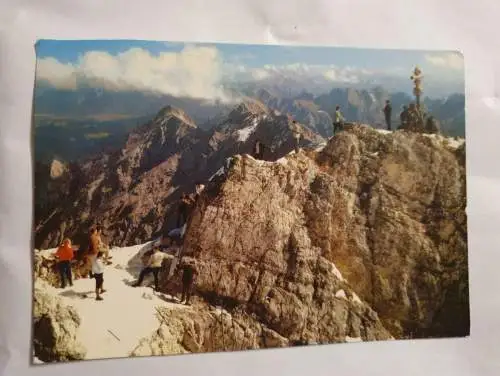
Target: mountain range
(144, 176)
(70, 125)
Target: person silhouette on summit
(339, 120)
(403, 117)
(388, 113)
(258, 150)
(296, 135)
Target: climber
(404, 118)
(175, 250)
(198, 189)
(388, 113)
(153, 265)
(257, 152)
(98, 272)
(183, 211)
(189, 272)
(431, 126)
(296, 136)
(65, 254)
(339, 120)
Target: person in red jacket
(65, 254)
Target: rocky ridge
(133, 191)
(387, 209)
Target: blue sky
(251, 55)
(60, 62)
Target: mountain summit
(363, 239)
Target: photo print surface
(205, 197)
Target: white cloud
(58, 74)
(328, 73)
(193, 72)
(451, 60)
(199, 71)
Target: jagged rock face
(253, 248)
(387, 209)
(207, 329)
(54, 328)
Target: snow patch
(282, 161)
(37, 361)
(383, 131)
(447, 141)
(353, 339)
(340, 294)
(356, 299)
(244, 134)
(337, 272)
(320, 147)
(219, 172)
(126, 312)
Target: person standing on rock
(198, 190)
(184, 209)
(65, 254)
(431, 126)
(98, 272)
(153, 265)
(189, 272)
(257, 150)
(339, 120)
(404, 118)
(296, 136)
(388, 113)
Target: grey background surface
(471, 27)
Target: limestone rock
(54, 328)
(378, 215)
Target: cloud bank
(451, 60)
(193, 72)
(201, 72)
(329, 73)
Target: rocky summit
(357, 238)
(388, 210)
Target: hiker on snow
(388, 113)
(104, 248)
(153, 265)
(98, 272)
(339, 120)
(65, 254)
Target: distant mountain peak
(252, 106)
(169, 111)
